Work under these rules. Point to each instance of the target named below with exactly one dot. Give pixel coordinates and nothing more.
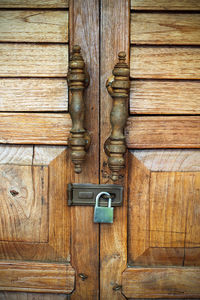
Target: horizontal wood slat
(34, 128)
(163, 132)
(165, 5)
(176, 282)
(33, 26)
(34, 4)
(163, 28)
(141, 132)
(36, 277)
(164, 97)
(33, 60)
(165, 62)
(27, 94)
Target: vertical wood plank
(114, 38)
(138, 222)
(84, 31)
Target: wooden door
(153, 248)
(49, 250)
(46, 247)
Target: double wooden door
(49, 250)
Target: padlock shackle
(99, 196)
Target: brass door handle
(78, 80)
(118, 87)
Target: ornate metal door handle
(118, 87)
(78, 80)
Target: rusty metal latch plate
(85, 194)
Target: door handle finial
(118, 87)
(78, 80)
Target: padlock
(103, 214)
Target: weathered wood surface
(27, 94)
(19, 60)
(38, 200)
(176, 282)
(84, 31)
(164, 181)
(177, 160)
(113, 243)
(32, 296)
(33, 26)
(23, 215)
(165, 5)
(164, 97)
(34, 4)
(163, 28)
(36, 277)
(163, 132)
(27, 155)
(169, 192)
(165, 62)
(138, 222)
(34, 128)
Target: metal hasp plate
(85, 194)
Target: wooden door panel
(34, 26)
(161, 282)
(34, 4)
(163, 132)
(163, 206)
(165, 62)
(31, 296)
(20, 59)
(23, 214)
(164, 97)
(165, 5)
(35, 220)
(165, 28)
(163, 224)
(35, 128)
(46, 94)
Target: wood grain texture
(27, 155)
(44, 155)
(84, 31)
(24, 204)
(57, 225)
(19, 60)
(176, 282)
(32, 296)
(170, 192)
(164, 97)
(165, 62)
(138, 210)
(33, 26)
(36, 277)
(34, 128)
(192, 238)
(113, 244)
(159, 185)
(34, 4)
(162, 28)
(37, 94)
(16, 155)
(172, 160)
(165, 5)
(163, 132)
